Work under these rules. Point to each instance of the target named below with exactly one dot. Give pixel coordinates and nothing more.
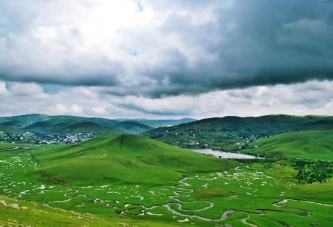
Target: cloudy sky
(166, 59)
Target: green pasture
(124, 159)
(307, 145)
(121, 180)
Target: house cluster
(44, 138)
(200, 137)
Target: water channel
(222, 154)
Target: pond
(222, 154)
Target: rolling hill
(306, 144)
(6, 129)
(39, 123)
(21, 121)
(232, 133)
(83, 127)
(126, 159)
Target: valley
(129, 180)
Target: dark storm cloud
(259, 43)
(201, 46)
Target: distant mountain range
(225, 133)
(39, 123)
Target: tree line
(310, 171)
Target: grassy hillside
(39, 123)
(83, 127)
(6, 129)
(21, 121)
(125, 158)
(231, 133)
(66, 124)
(306, 144)
(24, 213)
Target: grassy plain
(139, 182)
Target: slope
(83, 127)
(124, 159)
(229, 133)
(6, 129)
(21, 121)
(306, 144)
(25, 213)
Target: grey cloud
(257, 43)
(247, 43)
(154, 111)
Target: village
(46, 138)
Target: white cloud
(313, 97)
(25, 89)
(59, 108)
(76, 110)
(3, 89)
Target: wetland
(247, 195)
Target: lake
(222, 154)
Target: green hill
(230, 133)
(6, 129)
(83, 127)
(124, 159)
(306, 144)
(39, 123)
(21, 121)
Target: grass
(34, 214)
(308, 144)
(199, 188)
(233, 133)
(212, 192)
(27, 213)
(125, 159)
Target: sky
(166, 59)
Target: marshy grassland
(136, 181)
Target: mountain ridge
(229, 133)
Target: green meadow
(305, 144)
(129, 180)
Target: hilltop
(123, 158)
